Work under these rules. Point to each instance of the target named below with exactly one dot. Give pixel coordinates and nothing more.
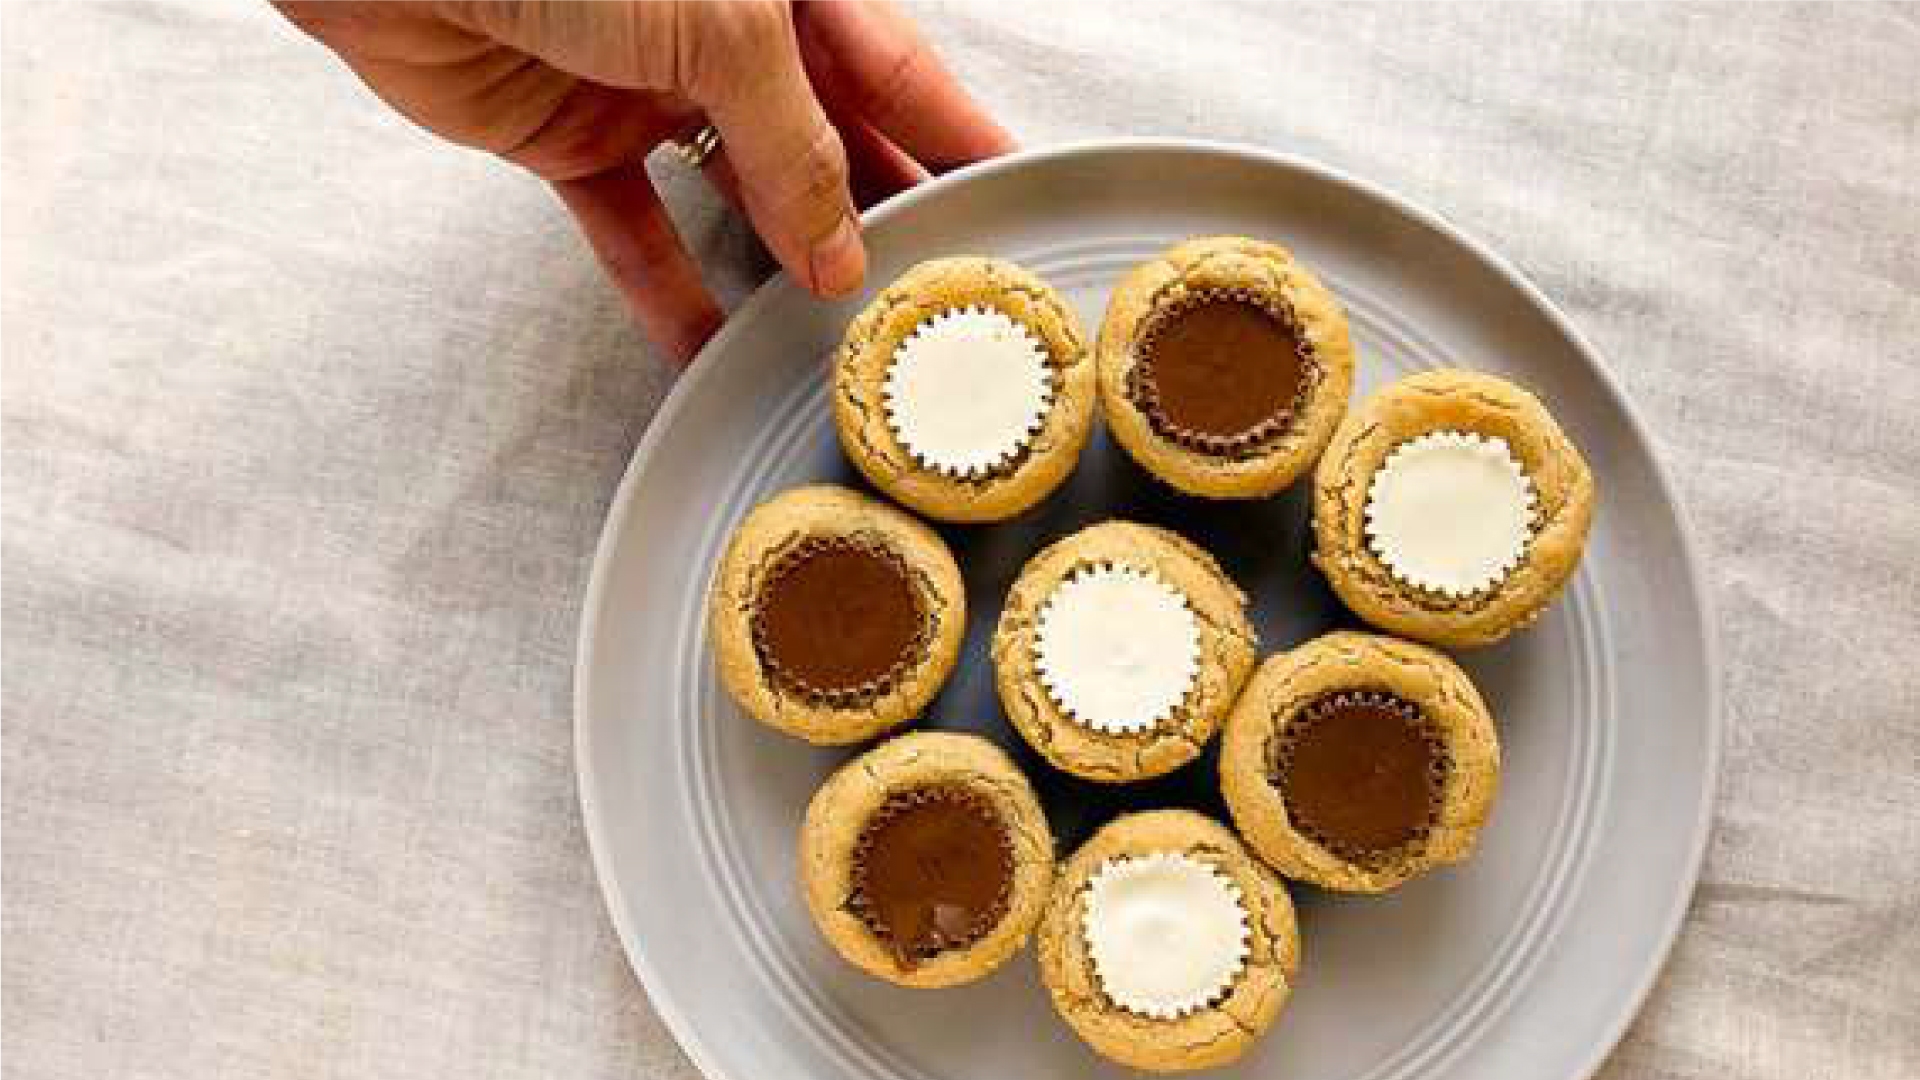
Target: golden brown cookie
(1166, 946)
(1450, 508)
(926, 861)
(1224, 367)
(1357, 761)
(834, 616)
(964, 389)
(1120, 649)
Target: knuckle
(806, 185)
(822, 170)
(719, 47)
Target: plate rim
(613, 896)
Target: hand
(814, 102)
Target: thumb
(791, 165)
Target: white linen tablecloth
(310, 423)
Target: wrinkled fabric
(310, 423)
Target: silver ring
(698, 148)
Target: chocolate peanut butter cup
(1224, 366)
(932, 871)
(926, 861)
(1357, 761)
(839, 620)
(1222, 373)
(1362, 773)
(834, 616)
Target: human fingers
(717, 168)
(878, 169)
(593, 128)
(633, 238)
(719, 172)
(893, 78)
(790, 163)
(740, 62)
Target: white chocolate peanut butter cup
(967, 391)
(1450, 512)
(1167, 933)
(1117, 648)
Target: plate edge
(613, 898)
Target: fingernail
(839, 261)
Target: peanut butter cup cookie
(834, 616)
(1166, 946)
(965, 389)
(1358, 761)
(1450, 508)
(926, 861)
(1224, 367)
(1120, 649)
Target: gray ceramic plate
(1525, 963)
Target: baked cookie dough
(964, 389)
(834, 616)
(926, 861)
(1357, 761)
(1119, 651)
(1166, 946)
(1224, 367)
(1450, 508)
